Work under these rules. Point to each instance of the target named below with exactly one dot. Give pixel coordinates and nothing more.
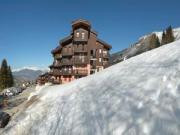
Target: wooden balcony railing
(106, 55)
(67, 53)
(57, 56)
(56, 65)
(81, 60)
(66, 62)
(55, 72)
(76, 50)
(80, 72)
(66, 72)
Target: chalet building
(80, 54)
(42, 79)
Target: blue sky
(30, 29)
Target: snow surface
(139, 96)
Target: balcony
(67, 53)
(66, 72)
(55, 65)
(55, 72)
(66, 62)
(93, 57)
(106, 55)
(82, 72)
(80, 50)
(58, 56)
(80, 60)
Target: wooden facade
(80, 54)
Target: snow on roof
(140, 95)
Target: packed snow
(139, 96)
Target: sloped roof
(56, 49)
(81, 21)
(65, 39)
(104, 43)
(61, 42)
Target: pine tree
(10, 77)
(154, 42)
(169, 35)
(164, 39)
(158, 44)
(6, 78)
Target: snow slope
(141, 46)
(140, 96)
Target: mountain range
(28, 73)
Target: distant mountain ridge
(140, 46)
(31, 68)
(28, 73)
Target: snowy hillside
(139, 47)
(176, 32)
(140, 96)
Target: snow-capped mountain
(31, 68)
(28, 73)
(141, 46)
(139, 96)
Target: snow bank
(140, 96)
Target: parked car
(12, 91)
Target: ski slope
(140, 96)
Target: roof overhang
(80, 22)
(106, 45)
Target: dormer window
(83, 35)
(77, 34)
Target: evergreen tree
(10, 77)
(169, 35)
(6, 78)
(164, 39)
(154, 42)
(158, 44)
(4, 75)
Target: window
(105, 52)
(92, 52)
(77, 34)
(100, 59)
(100, 50)
(83, 35)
